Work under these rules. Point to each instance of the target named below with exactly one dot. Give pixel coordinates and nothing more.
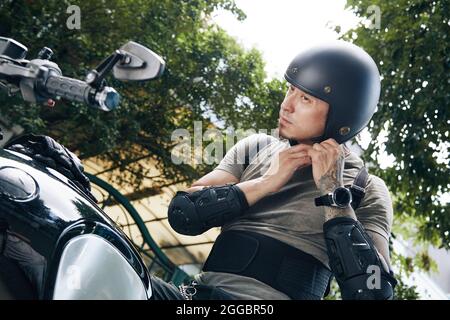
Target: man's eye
(291, 88)
(305, 99)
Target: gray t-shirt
(290, 215)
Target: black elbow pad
(353, 259)
(194, 213)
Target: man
(287, 221)
(279, 203)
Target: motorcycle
(64, 247)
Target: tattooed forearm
(330, 181)
(332, 212)
(334, 177)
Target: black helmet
(344, 76)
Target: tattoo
(331, 180)
(332, 212)
(334, 177)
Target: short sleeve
(375, 212)
(235, 159)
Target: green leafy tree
(412, 52)
(207, 73)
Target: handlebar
(41, 80)
(77, 90)
(68, 88)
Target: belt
(279, 265)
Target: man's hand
(328, 169)
(54, 155)
(283, 166)
(327, 164)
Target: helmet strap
(294, 142)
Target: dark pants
(162, 290)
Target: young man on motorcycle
(288, 221)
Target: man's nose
(287, 106)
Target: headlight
(91, 268)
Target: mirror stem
(96, 76)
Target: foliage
(207, 72)
(412, 52)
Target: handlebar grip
(68, 88)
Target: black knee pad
(355, 261)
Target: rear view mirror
(12, 49)
(139, 63)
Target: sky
(283, 28)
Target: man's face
(302, 116)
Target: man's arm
(254, 189)
(382, 246)
(354, 252)
(332, 179)
(214, 178)
(380, 242)
(209, 203)
(280, 171)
